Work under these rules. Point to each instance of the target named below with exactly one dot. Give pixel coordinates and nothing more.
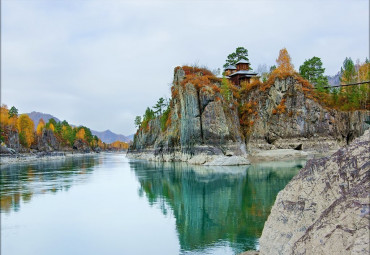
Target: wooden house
(242, 73)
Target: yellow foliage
(284, 62)
(118, 145)
(26, 130)
(40, 126)
(51, 127)
(364, 72)
(81, 134)
(5, 120)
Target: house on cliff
(240, 73)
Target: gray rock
(203, 123)
(47, 141)
(325, 207)
(228, 161)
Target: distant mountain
(36, 116)
(334, 80)
(106, 136)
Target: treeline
(67, 135)
(160, 109)
(314, 85)
(345, 98)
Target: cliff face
(289, 118)
(325, 208)
(200, 123)
(203, 123)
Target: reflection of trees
(20, 182)
(213, 204)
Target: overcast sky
(101, 63)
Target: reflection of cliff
(213, 204)
(21, 182)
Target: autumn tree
(8, 120)
(363, 73)
(26, 130)
(239, 54)
(81, 134)
(67, 133)
(313, 71)
(40, 127)
(284, 62)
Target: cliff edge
(325, 208)
(212, 121)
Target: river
(107, 204)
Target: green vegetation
(66, 135)
(150, 114)
(13, 112)
(164, 118)
(313, 71)
(239, 54)
(159, 106)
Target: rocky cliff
(205, 123)
(325, 208)
(200, 126)
(288, 117)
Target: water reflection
(215, 205)
(20, 182)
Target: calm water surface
(108, 205)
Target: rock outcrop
(47, 141)
(81, 146)
(325, 208)
(303, 124)
(203, 125)
(11, 141)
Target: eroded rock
(325, 208)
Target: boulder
(81, 146)
(325, 208)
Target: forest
(13, 123)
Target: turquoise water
(108, 205)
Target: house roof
(243, 61)
(248, 73)
(230, 67)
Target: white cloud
(100, 63)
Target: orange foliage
(284, 62)
(280, 108)
(81, 134)
(246, 87)
(5, 120)
(118, 145)
(363, 72)
(194, 70)
(174, 92)
(168, 122)
(216, 88)
(26, 130)
(199, 77)
(41, 126)
(247, 112)
(196, 80)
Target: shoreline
(6, 159)
(259, 156)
